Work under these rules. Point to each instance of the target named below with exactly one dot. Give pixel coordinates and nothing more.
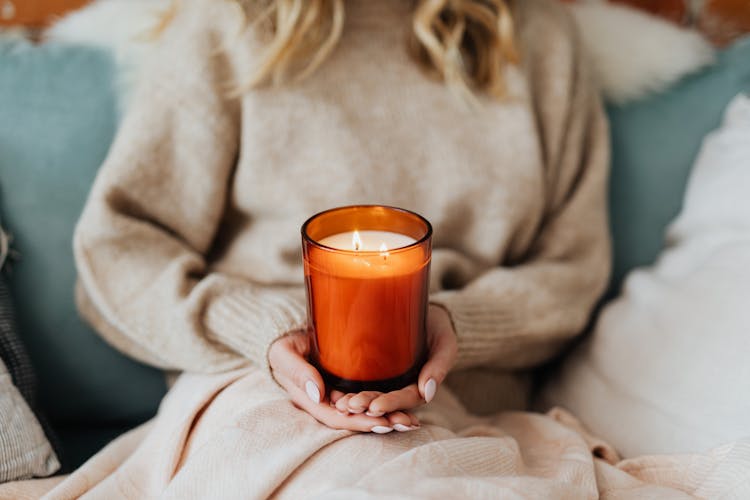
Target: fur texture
(634, 53)
(124, 27)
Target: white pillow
(667, 368)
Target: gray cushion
(24, 449)
(12, 351)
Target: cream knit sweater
(188, 250)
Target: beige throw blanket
(236, 435)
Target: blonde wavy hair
(466, 43)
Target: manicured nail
(381, 429)
(374, 413)
(402, 427)
(312, 391)
(429, 390)
(341, 412)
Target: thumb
(290, 367)
(434, 371)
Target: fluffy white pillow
(667, 368)
(634, 53)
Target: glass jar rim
(417, 243)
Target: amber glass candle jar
(367, 276)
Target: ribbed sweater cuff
(480, 325)
(249, 319)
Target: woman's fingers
(342, 405)
(329, 416)
(443, 351)
(402, 399)
(361, 401)
(334, 396)
(307, 391)
(403, 421)
(287, 359)
(356, 402)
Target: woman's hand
(442, 350)
(288, 359)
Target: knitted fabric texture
(188, 249)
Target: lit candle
(367, 276)
(367, 240)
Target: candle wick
(383, 251)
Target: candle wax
(368, 241)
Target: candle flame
(384, 250)
(356, 240)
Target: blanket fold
(236, 435)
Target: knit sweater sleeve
(153, 213)
(518, 315)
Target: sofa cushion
(654, 143)
(58, 118)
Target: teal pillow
(57, 119)
(654, 143)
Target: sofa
(59, 110)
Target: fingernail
(341, 412)
(429, 390)
(381, 429)
(312, 391)
(402, 427)
(374, 413)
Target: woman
(478, 114)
